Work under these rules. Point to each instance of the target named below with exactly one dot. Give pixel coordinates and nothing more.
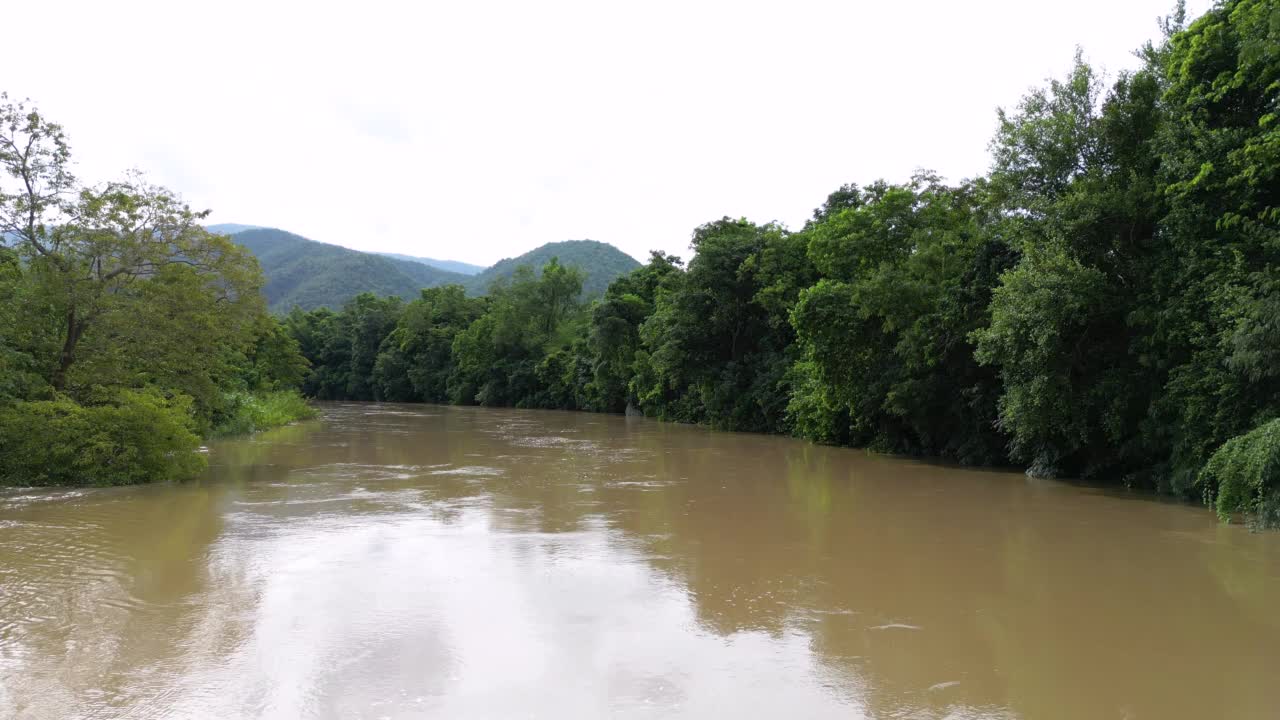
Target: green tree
(1214, 290)
(615, 330)
(370, 320)
(417, 357)
(887, 362)
(711, 353)
(94, 254)
(529, 317)
(127, 331)
(1076, 178)
(275, 361)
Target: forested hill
(600, 262)
(309, 274)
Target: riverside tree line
(1104, 303)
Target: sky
(476, 131)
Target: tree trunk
(75, 328)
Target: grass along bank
(253, 412)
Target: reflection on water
(408, 561)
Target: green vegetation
(127, 330)
(130, 437)
(1246, 474)
(1102, 304)
(250, 412)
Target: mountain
(602, 263)
(231, 228)
(450, 265)
(312, 274)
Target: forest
(128, 332)
(1103, 304)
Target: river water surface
(391, 561)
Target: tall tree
(615, 330)
(887, 361)
(711, 351)
(1076, 179)
(91, 251)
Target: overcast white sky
(478, 130)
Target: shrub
(131, 437)
(249, 413)
(1244, 475)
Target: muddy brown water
(393, 561)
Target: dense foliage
(127, 330)
(129, 438)
(1104, 303)
(1243, 472)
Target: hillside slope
(310, 274)
(602, 263)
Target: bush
(132, 437)
(1244, 475)
(249, 413)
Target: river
(400, 561)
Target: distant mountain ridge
(450, 265)
(309, 274)
(231, 228)
(305, 273)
